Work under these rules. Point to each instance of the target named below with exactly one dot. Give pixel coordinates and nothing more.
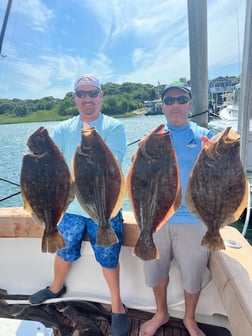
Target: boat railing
(247, 218)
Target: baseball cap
(177, 85)
(87, 80)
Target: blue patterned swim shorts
(72, 227)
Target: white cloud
(35, 12)
(53, 76)
(166, 68)
(154, 36)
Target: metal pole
(6, 16)
(245, 109)
(197, 22)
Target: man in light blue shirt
(180, 238)
(88, 97)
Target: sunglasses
(84, 94)
(179, 100)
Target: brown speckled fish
(46, 186)
(153, 188)
(217, 190)
(100, 184)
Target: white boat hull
(25, 269)
(31, 270)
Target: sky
(48, 44)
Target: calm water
(13, 140)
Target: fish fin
(85, 207)
(72, 171)
(120, 201)
(176, 204)
(190, 202)
(243, 203)
(27, 206)
(178, 198)
(106, 236)
(122, 194)
(213, 243)
(145, 248)
(52, 242)
(72, 192)
(128, 185)
(29, 210)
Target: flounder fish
(86, 325)
(217, 190)
(100, 184)
(154, 189)
(46, 187)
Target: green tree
(20, 110)
(111, 89)
(109, 105)
(6, 107)
(67, 105)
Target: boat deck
(67, 317)
(175, 326)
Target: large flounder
(154, 189)
(46, 186)
(100, 184)
(217, 190)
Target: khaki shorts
(183, 243)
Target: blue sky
(50, 43)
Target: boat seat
(231, 270)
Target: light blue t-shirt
(67, 135)
(187, 144)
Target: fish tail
(145, 249)
(213, 243)
(52, 242)
(106, 236)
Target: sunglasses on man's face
(84, 94)
(179, 100)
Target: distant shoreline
(28, 119)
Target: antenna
(6, 16)
(238, 41)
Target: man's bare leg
(112, 278)
(61, 269)
(161, 317)
(120, 323)
(191, 301)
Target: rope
(12, 195)
(204, 112)
(197, 114)
(8, 181)
(191, 116)
(7, 197)
(132, 143)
